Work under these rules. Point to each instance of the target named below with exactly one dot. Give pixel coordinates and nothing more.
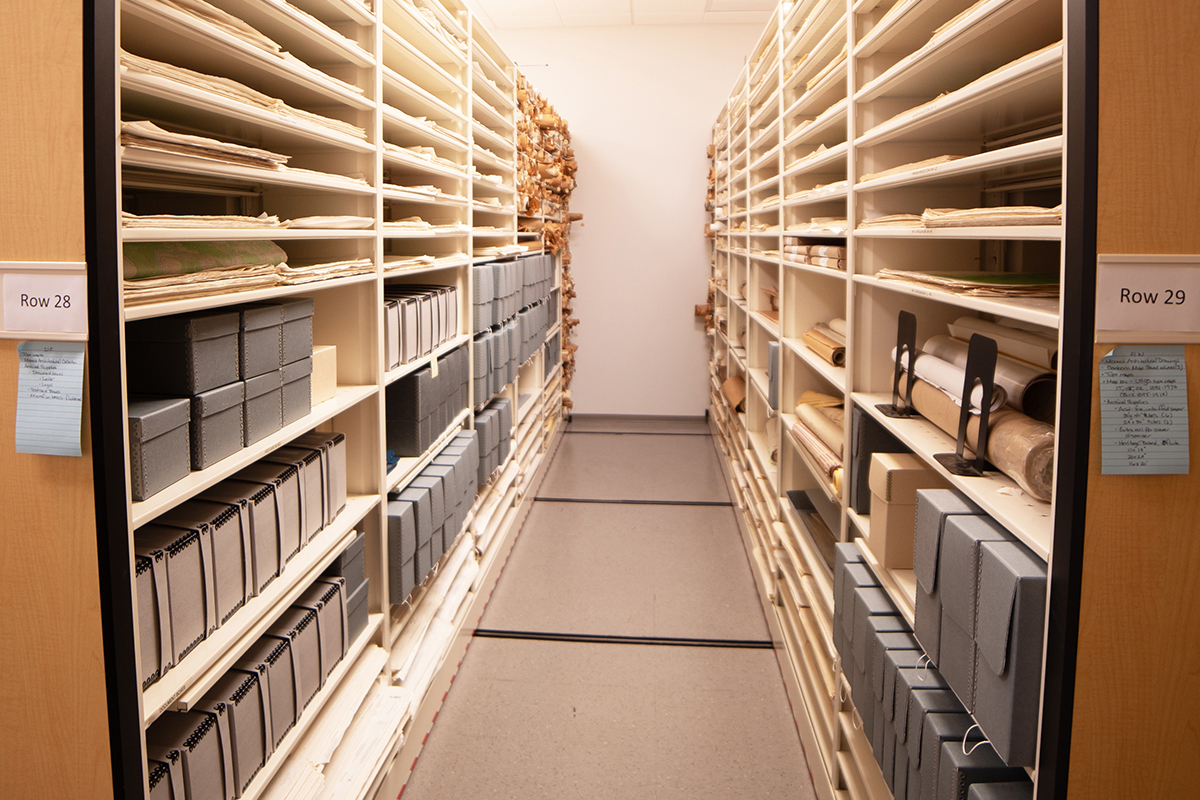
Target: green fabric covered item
(153, 259)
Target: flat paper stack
(980, 284)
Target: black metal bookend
(981, 369)
(906, 346)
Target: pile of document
(818, 431)
(969, 218)
(980, 284)
(830, 256)
(828, 340)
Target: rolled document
(1030, 390)
(950, 379)
(830, 333)
(825, 347)
(826, 459)
(1020, 447)
(838, 325)
(826, 429)
(1028, 346)
(817, 400)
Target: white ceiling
(497, 14)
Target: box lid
(262, 384)
(194, 326)
(896, 477)
(255, 316)
(215, 400)
(958, 570)
(153, 416)
(297, 370)
(1011, 580)
(296, 308)
(933, 506)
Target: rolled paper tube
(949, 378)
(1020, 447)
(838, 325)
(825, 347)
(734, 390)
(830, 333)
(1031, 390)
(1028, 346)
(823, 427)
(826, 459)
(818, 400)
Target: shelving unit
(833, 123)
(405, 117)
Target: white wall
(641, 102)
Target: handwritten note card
(1143, 410)
(49, 397)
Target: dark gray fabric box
(216, 424)
(934, 507)
(921, 704)
(888, 765)
(1008, 638)
(183, 354)
(914, 779)
(877, 733)
(332, 449)
(299, 625)
(402, 531)
(908, 680)
(260, 339)
(437, 497)
(255, 503)
(159, 452)
(327, 599)
(896, 660)
(864, 702)
(844, 553)
(409, 437)
(927, 622)
(229, 545)
(358, 611)
(271, 658)
(207, 760)
(263, 408)
(351, 564)
(869, 601)
(900, 775)
(296, 396)
(422, 511)
(424, 561)
(1016, 790)
(160, 781)
(958, 569)
(297, 329)
(406, 581)
(958, 661)
(287, 496)
(308, 466)
(154, 617)
(191, 604)
(884, 643)
(247, 707)
(957, 772)
(853, 576)
(867, 629)
(939, 729)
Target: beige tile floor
(567, 719)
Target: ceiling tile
(645, 7)
(532, 21)
(736, 17)
(677, 18)
(579, 20)
(587, 8)
(740, 5)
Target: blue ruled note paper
(49, 397)
(1144, 410)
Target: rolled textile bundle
(826, 459)
(1026, 345)
(825, 347)
(1030, 390)
(824, 426)
(949, 379)
(1020, 447)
